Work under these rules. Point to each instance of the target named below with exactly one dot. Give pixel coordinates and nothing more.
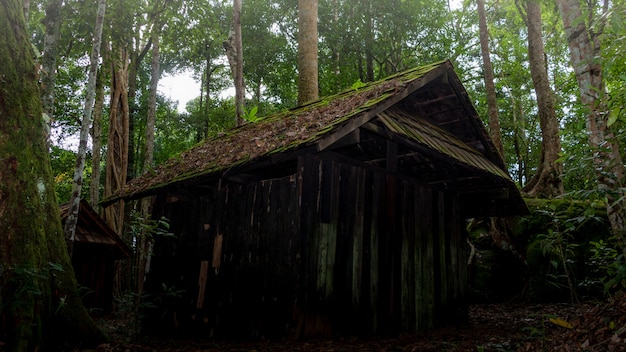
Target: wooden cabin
(343, 216)
(96, 248)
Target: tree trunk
(307, 51)
(96, 144)
(584, 48)
(144, 242)
(117, 143)
(26, 8)
(369, 40)
(72, 217)
(48, 73)
(41, 307)
(492, 107)
(546, 183)
(234, 52)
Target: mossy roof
(424, 109)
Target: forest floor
(492, 327)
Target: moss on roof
(278, 132)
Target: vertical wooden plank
(377, 189)
(358, 183)
(407, 273)
(202, 279)
(442, 260)
(307, 180)
(426, 265)
(217, 252)
(461, 309)
(429, 265)
(343, 263)
(390, 245)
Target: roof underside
(92, 230)
(425, 113)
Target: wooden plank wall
(389, 258)
(334, 249)
(250, 290)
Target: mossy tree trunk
(39, 303)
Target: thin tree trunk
(546, 183)
(48, 72)
(369, 41)
(307, 51)
(96, 144)
(72, 218)
(234, 53)
(144, 242)
(584, 48)
(38, 300)
(492, 107)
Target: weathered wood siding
(333, 249)
(381, 253)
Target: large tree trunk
(40, 305)
(307, 51)
(234, 52)
(546, 183)
(584, 48)
(492, 107)
(77, 185)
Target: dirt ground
(494, 327)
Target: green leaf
(358, 84)
(616, 22)
(613, 116)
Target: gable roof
(426, 111)
(92, 230)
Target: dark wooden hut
(96, 248)
(343, 216)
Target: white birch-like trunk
(96, 143)
(48, 71)
(70, 222)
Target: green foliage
(140, 226)
(63, 163)
(558, 257)
(24, 282)
(131, 310)
(251, 115)
(358, 84)
(608, 264)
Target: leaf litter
(590, 326)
